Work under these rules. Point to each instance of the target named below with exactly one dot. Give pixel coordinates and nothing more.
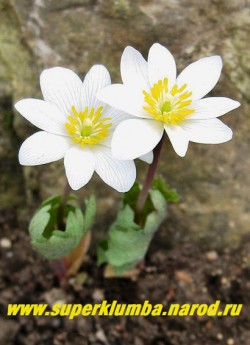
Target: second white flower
(159, 101)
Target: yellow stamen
(88, 127)
(168, 106)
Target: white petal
(42, 148)
(117, 116)
(125, 99)
(79, 165)
(178, 139)
(134, 69)
(161, 64)
(211, 131)
(136, 137)
(96, 79)
(148, 157)
(201, 76)
(120, 175)
(63, 87)
(211, 107)
(43, 115)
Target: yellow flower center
(168, 106)
(88, 127)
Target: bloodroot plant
(99, 127)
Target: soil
(181, 272)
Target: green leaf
(39, 222)
(59, 243)
(90, 211)
(52, 201)
(54, 243)
(127, 242)
(131, 197)
(169, 194)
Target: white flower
(77, 126)
(160, 101)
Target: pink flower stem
(59, 265)
(149, 178)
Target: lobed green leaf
(54, 243)
(128, 242)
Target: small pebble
(224, 281)
(212, 255)
(151, 269)
(60, 302)
(219, 336)
(219, 272)
(55, 296)
(183, 276)
(204, 289)
(100, 335)
(5, 243)
(98, 295)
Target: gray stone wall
(212, 180)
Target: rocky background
(213, 181)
